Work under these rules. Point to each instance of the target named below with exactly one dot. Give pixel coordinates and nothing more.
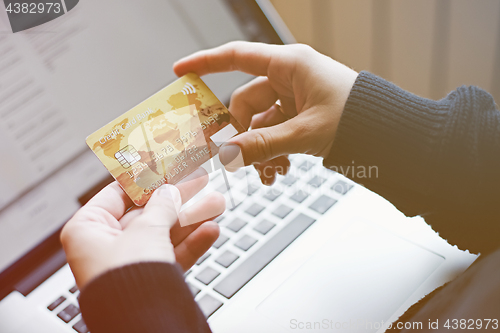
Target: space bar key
(235, 280)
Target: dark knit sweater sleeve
(437, 159)
(144, 297)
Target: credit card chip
(127, 156)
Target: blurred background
(428, 47)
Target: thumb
(163, 207)
(264, 144)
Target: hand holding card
(165, 138)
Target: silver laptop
(313, 252)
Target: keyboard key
(289, 180)
(251, 189)
(222, 188)
(220, 241)
(322, 204)
(254, 209)
(282, 211)
(203, 258)
(273, 194)
(236, 225)
(240, 174)
(299, 196)
(74, 289)
(208, 305)
(263, 256)
(306, 166)
(81, 327)
(316, 181)
(264, 227)
(342, 187)
(235, 206)
(207, 275)
(194, 290)
(245, 242)
(56, 303)
(69, 313)
(226, 259)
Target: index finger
(251, 58)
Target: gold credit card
(164, 138)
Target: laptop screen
(64, 79)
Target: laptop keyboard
(262, 223)
(65, 308)
(263, 256)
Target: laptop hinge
(41, 273)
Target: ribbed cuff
(387, 138)
(144, 297)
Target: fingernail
(228, 152)
(171, 192)
(165, 191)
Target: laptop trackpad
(359, 277)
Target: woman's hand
(109, 231)
(311, 87)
